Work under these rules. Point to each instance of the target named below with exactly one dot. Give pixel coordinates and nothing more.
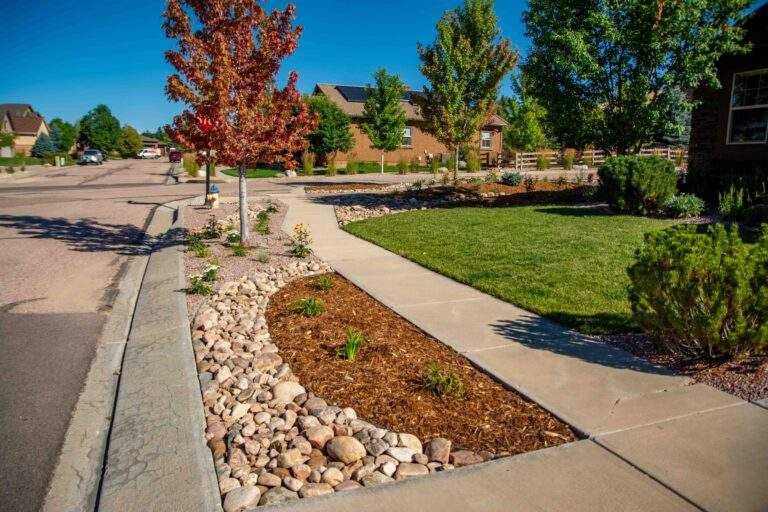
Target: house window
(407, 137)
(748, 119)
(486, 139)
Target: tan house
(26, 125)
(416, 142)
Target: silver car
(92, 156)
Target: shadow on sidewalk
(541, 334)
(88, 235)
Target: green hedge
(702, 293)
(638, 184)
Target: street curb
(157, 457)
(75, 481)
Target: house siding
(423, 144)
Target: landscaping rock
(332, 477)
(409, 469)
(410, 441)
(290, 458)
(270, 480)
(319, 436)
(345, 449)
(465, 458)
(438, 450)
(277, 495)
(241, 498)
(310, 490)
(401, 453)
(286, 391)
(347, 485)
(293, 484)
(376, 478)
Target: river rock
(345, 449)
(241, 498)
(438, 450)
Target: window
(407, 137)
(486, 139)
(748, 121)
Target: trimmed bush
(702, 294)
(684, 205)
(512, 179)
(638, 184)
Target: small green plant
(492, 177)
(211, 230)
(301, 241)
(239, 250)
(308, 163)
(414, 165)
(309, 307)
(324, 283)
(210, 272)
(684, 205)
(542, 163)
(417, 186)
(352, 345)
(402, 165)
(198, 247)
(197, 285)
(353, 166)
(529, 182)
(561, 181)
(434, 166)
(512, 179)
(233, 237)
(10, 169)
(444, 384)
(262, 223)
(263, 256)
(330, 167)
(731, 203)
(272, 208)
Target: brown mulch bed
(345, 187)
(746, 378)
(383, 384)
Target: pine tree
(385, 117)
(43, 146)
(464, 66)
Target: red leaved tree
(229, 53)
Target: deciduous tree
(384, 116)
(63, 134)
(332, 133)
(99, 129)
(229, 53)
(464, 66)
(526, 130)
(608, 72)
(130, 142)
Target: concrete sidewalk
(693, 441)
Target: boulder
(345, 449)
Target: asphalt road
(64, 237)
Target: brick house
(26, 125)
(729, 129)
(416, 142)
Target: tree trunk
(207, 179)
(243, 204)
(456, 166)
(382, 162)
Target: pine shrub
(638, 184)
(702, 294)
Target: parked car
(92, 156)
(149, 153)
(174, 156)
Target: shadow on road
(88, 235)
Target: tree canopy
(63, 134)
(332, 133)
(6, 139)
(385, 118)
(43, 146)
(526, 130)
(609, 73)
(100, 129)
(464, 67)
(130, 142)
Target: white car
(149, 153)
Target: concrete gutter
(157, 458)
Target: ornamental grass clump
(309, 307)
(352, 345)
(308, 164)
(239, 250)
(443, 384)
(702, 294)
(262, 222)
(324, 283)
(638, 184)
(301, 241)
(542, 163)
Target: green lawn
(252, 173)
(565, 263)
(19, 160)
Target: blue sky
(64, 57)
